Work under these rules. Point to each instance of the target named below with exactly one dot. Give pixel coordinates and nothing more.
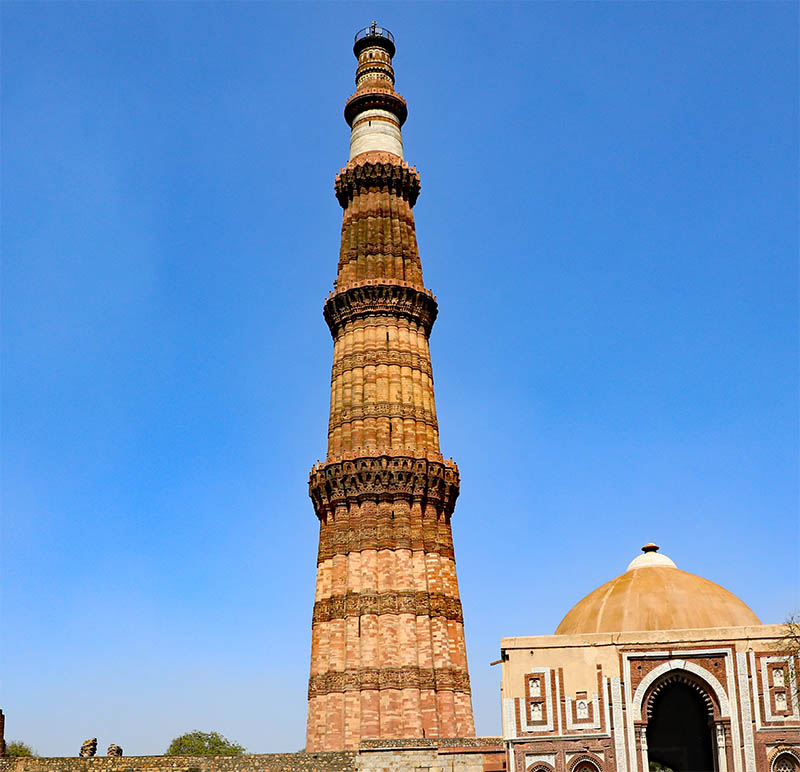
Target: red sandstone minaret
(387, 656)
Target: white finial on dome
(651, 558)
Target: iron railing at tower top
(373, 31)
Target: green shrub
(203, 744)
(19, 748)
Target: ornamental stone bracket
(398, 178)
(380, 300)
(383, 477)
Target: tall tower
(387, 655)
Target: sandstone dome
(654, 594)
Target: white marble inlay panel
(548, 702)
(747, 715)
(730, 682)
(756, 698)
(618, 731)
(509, 719)
(679, 664)
(770, 716)
(534, 758)
(593, 724)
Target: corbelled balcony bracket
(399, 179)
(376, 99)
(384, 477)
(391, 300)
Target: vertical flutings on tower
(387, 657)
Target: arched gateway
(681, 716)
(657, 669)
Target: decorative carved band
(375, 98)
(397, 178)
(378, 69)
(380, 300)
(383, 477)
(406, 677)
(419, 603)
(382, 410)
(391, 357)
(337, 540)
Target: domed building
(657, 669)
(662, 597)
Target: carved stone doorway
(679, 732)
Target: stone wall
(454, 754)
(450, 754)
(249, 762)
(419, 761)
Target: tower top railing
(374, 31)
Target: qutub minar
(387, 655)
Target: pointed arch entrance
(685, 723)
(680, 728)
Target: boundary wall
(468, 754)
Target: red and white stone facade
(388, 658)
(556, 717)
(590, 701)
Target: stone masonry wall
(441, 755)
(250, 762)
(418, 760)
(416, 743)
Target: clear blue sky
(608, 217)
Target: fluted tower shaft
(388, 658)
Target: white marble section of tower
(375, 112)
